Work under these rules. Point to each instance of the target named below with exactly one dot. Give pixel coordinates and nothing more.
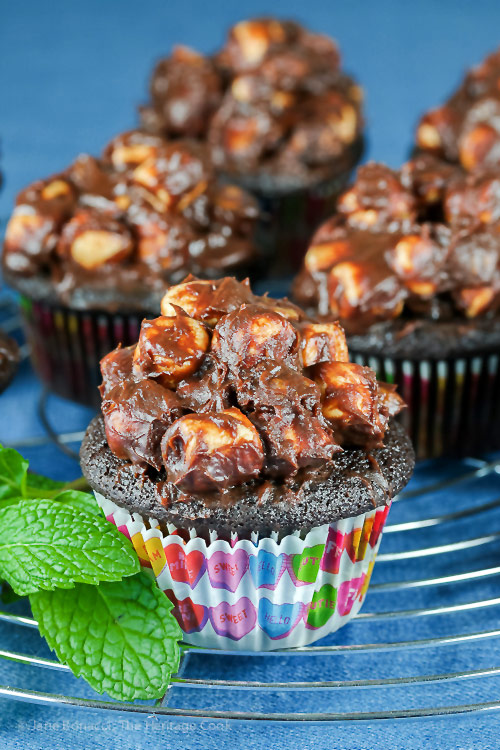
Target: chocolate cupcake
(466, 128)
(251, 464)
(92, 249)
(411, 266)
(9, 360)
(280, 116)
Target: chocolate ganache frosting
(113, 232)
(466, 128)
(229, 401)
(273, 102)
(420, 243)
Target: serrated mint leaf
(81, 501)
(46, 545)
(13, 471)
(121, 637)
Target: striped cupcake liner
(258, 594)
(66, 345)
(453, 404)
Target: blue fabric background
(70, 77)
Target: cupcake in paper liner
(249, 462)
(281, 118)
(93, 248)
(411, 266)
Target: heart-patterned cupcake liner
(258, 594)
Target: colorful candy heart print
(322, 607)
(330, 562)
(191, 617)
(185, 568)
(305, 566)
(278, 620)
(226, 569)
(348, 592)
(233, 620)
(266, 569)
(378, 525)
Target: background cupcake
(466, 129)
(411, 266)
(280, 116)
(93, 248)
(250, 462)
(9, 360)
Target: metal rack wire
(436, 595)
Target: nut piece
(253, 333)
(170, 348)
(235, 208)
(377, 198)
(206, 452)
(29, 239)
(357, 289)
(128, 150)
(475, 300)
(93, 239)
(322, 342)
(162, 241)
(417, 259)
(476, 145)
(295, 442)
(323, 255)
(350, 403)
(475, 197)
(254, 38)
(175, 176)
(136, 415)
(116, 367)
(390, 402)
(207, 300)
(437, 132)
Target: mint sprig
(109, 623)
(45, 545)
(120, 637)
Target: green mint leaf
(82, 501)
(121, 637)
(46, 545)
(37, 481)
(13, 471)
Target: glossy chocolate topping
(272, 101)
(227, 391)
(114, 232)
(466, 128)
(421, 242)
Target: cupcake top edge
(272, 101)
(418, 243)
(144, 215)
(227, 394)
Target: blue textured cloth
(70, 76)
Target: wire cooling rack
(419, 580)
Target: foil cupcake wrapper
(453, 404)
(66, 345)
(258, 594)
